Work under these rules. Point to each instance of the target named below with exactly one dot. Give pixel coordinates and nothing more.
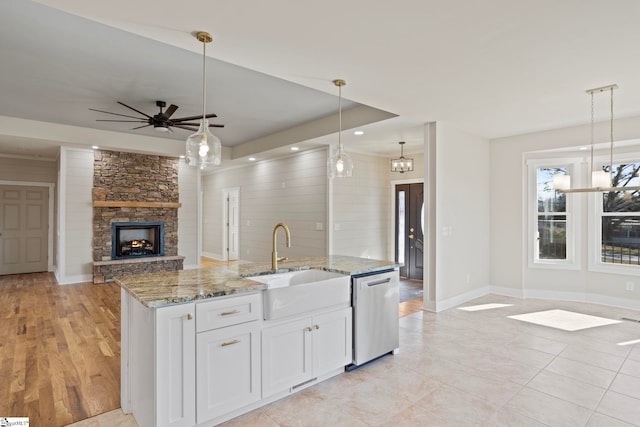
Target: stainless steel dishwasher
(375, 299)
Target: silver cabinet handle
(308, 329)
(317, 327)
(225, 344)
(379, 282)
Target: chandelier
(401, 164)
(601, 180)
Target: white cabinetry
(175, 370)
(157, 354)
(228, 355)
(300, 350)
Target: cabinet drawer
(228, 311)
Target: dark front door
(409, 229)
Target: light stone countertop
(175, 287)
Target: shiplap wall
(292, 190)
(188, 218)
(360, 208)
(75, 216)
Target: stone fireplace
(135, 196)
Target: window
(552, 217)
(552, 238)
(619, 220)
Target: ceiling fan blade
(186, 127)
(123, 121)
(115, 114)
(211, 125)
(186, 119)
(131, 108)
(140, 127)
(169, 111)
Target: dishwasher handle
(378, 282)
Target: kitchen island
(197, 350)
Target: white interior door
(24, 222)
(232, 222)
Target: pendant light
(339, 164)
(203, 148)
(601, 180)
(401, 164)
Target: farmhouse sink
(303, 291)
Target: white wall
(292, 190)
(75, 216)
(360, 210)
(16, 169)
(188, 215)
(510, 273)
(462, 220)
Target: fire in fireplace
(137, 239)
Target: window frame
(595, 225)
(574, 218)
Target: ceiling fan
(161, 121)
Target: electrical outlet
(319, 226)
(631, 286)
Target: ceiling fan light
(203, 149)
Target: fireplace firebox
(137, 239)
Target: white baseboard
(217, 257)
(460, 299)
(70, 280)
(507, 292)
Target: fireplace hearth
(137, 239)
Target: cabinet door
(332, 341)
(228, 365)
(286, 356)
(175, 367)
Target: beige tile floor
(461, 368)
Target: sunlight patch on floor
(483, 307)
(565, 320)
(629, 342)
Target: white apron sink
(303, 291)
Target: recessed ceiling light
(252, 159)
(295, 148)
(95, 147)
(182, 156)
(358, 132)
(584, 148)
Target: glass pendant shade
(600, 179)
(203, 148)
(340, 164)
(561, 182)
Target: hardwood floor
(410, 307)
(59, 349)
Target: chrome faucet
(274, 252)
